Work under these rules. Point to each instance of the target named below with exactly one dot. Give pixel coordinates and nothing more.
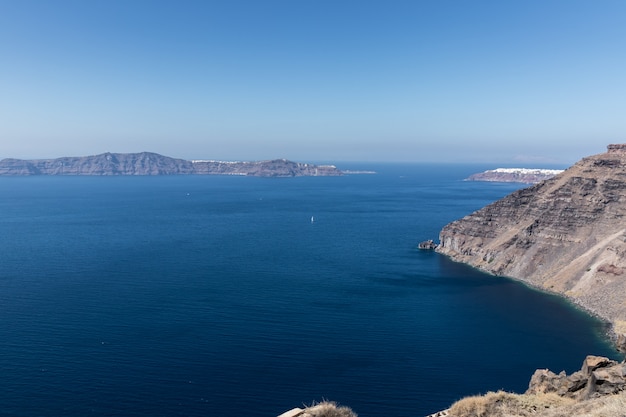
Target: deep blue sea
(217, 296)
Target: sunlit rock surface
(566, 235)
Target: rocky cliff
(566, 235)
(148, 163)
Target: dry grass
(609, 406)
(504, 404)
(328, 409)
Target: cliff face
(566, 235)
(148, 163)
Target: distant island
(523, 175)
(149, 163)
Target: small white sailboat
(312, 219)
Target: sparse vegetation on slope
(501, 404)
(328, 409)
(322, 409)
(504, 404)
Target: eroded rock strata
(566, 235)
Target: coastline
(612, 336)
(564, 235)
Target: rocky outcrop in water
(427, 245)
(148, 163)
(566, 235)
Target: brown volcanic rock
(566, 235)
(598, 376)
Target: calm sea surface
(217, 296)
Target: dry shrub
(329, 409)
(504, 404)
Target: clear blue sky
(501, 81)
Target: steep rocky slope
(566, 235)
(148, 163)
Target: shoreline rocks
(427, 245)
